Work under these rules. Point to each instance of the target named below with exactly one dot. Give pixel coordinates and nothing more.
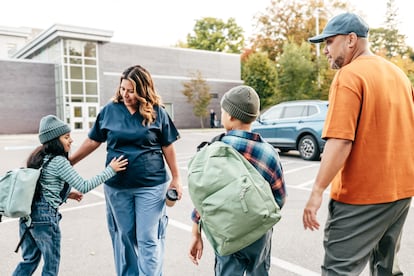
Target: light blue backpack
(17, 188)
(235, 202)
(17, 191)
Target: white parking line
(275, 261)
(292, 267)
(300, 168)
(304, 184)
(98, 194)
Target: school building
(73, 71)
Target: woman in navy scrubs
(134, 124)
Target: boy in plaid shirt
(240, 106)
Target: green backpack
(235, 202)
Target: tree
(406, 64)
(326, 75)
(283, 19)
(387, 41)
(292, 20)
(259, 72)
(214, 34)
(297, 72)
(198, 94)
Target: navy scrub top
(141, 145)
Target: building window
(11, 48)
(80, 71)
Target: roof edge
(63, 31)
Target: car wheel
(308, 148)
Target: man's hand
(309, 213)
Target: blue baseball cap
(342, 24)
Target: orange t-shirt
(371, 102)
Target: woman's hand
(176, 184)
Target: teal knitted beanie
(51, 127)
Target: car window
(312, 110)
(294, 111)
(272, 114)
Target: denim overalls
(43, 239)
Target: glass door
(83, 115)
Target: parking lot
(86, 246)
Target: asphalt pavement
(86, 246)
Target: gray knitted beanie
(241, 102)
(51, 127)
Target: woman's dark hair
(53, 147)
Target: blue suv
(294, 125)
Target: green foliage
(281, 71)
(323, 80)
(260, 73)
(292, 20)
(282, 19)
(297, 72)
(198, 94)
(411, 77)
(388, 41)
(214, 34)
(410, 53)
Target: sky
(165, 22)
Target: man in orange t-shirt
(368, 128)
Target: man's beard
(338, 63)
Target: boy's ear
(232, 118)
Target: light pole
(318, 50)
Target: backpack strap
(22, 238)
(47, 162)
(215, 138)
(28, 219)
(66, 188)
(218, 137)
(38, 184)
